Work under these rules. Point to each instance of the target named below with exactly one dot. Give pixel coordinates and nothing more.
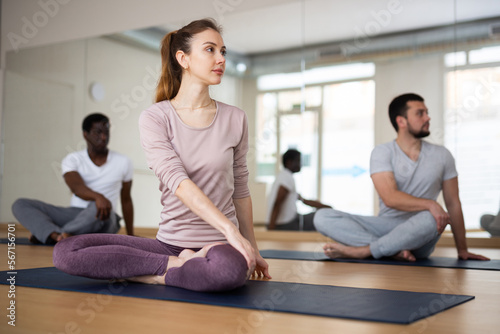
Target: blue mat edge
(22, 242)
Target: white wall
(30, 23)
(42, 104)
(422, 75)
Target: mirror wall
(306, 81)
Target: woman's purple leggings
(112, 256)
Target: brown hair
(171, 70)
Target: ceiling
(286, 24)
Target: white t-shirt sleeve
(286, 180)
(129, 171)
(69, 163)
(289, 208)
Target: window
(485, 55)
(472, 133)
(330, 124)
(316, 76)
(348, 139)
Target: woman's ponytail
(171, 71)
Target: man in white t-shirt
(408, 174)
(282, 207)
(97, 177)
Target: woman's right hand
(236, 240)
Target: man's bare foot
(338, 251)
(55, 236)
(34, 240)
(65, 235)
(405, 255)
(58, 237)
(174, 262)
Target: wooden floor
(50, 311)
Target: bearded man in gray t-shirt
(408, 174)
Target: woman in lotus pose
(197, 148)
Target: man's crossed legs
(407, 238)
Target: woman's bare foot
(174, 262)
(405, 255)
(338, 251)
(188, 254)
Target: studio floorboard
(49, 311)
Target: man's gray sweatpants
(41, 219)
(416, 232)
(491, 224)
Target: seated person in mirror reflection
(491, 224)
(97, 177)
(282, 208)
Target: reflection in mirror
(319, 79)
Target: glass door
(299, 129)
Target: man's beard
(418, 134)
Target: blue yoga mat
(400, 307)
(441, 262)
(21, 241)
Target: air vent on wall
(330, 52)
(495, 30)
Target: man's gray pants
(491, 224)
(416, 232)
(42, 219)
